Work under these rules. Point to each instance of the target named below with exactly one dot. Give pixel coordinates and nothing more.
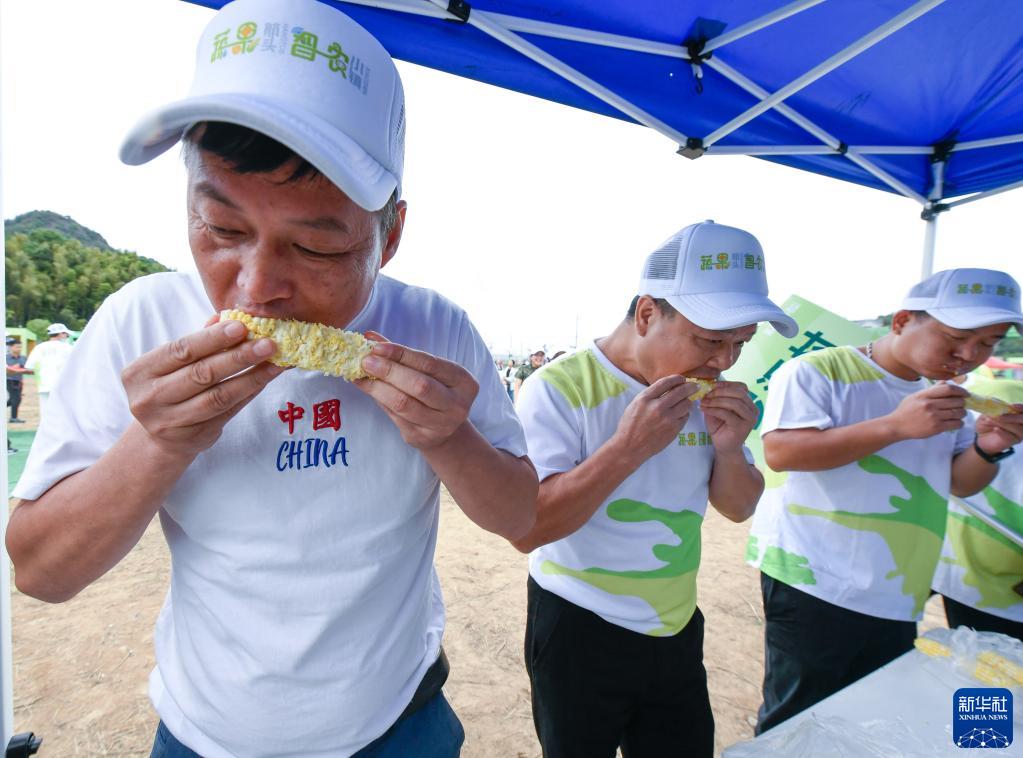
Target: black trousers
(14, 397)
(965, 615)
(597, 686)
(812, 649)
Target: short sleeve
(492, 413)
(799, 397)
(553, 431)
(87, 411)
(965, 434)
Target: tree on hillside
(52, 277)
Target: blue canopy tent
(923, 99)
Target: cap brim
(731, 310)
(331, 151)
(976, 318)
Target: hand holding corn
(654, 418)
(998, 432)
(730, 414)
(183, 393)
(428, 398)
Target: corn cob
(703, 387)
(315, 347)
(1002, 664)
(931, 647)
(992, 676)
(988, 406)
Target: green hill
(33, 220)
(55, 276)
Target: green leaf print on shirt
(840, 365)
(582, 380)
(670, 589)
(993, 563)
(787, 567)
(914, 533)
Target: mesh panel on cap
(398, 140)
(663, 262)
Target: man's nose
(264, 273)
(724, 357)
(967, 352)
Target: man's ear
(900, 319)
(394, 236)
(646, 312)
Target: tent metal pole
(759, 23)
(482, 21)
(1009, 139)
(987, 193)
(828, 139)
(930, 237)
(930, 215)
(869, 40)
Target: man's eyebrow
(210, 191)
(324, 223)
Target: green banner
(768, 350)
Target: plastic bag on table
(992, 659)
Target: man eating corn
(872, 440)
(627, 463)
(304, 615)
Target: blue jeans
(433, 731)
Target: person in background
(980, 576)
(15, 373)
(47, 361)
(871, 440)
(508, 377)
(627, 464)
(536, 360)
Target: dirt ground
(81, 668)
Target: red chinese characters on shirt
(290, 415)
(326, 415)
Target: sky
(533, 216)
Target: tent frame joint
(932, 209)
(942, 151)
(460, 10)
(694, 49)
(693, 148)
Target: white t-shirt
(304, 608)
(865, 536)
(48, 359)
(980, 566)
(634, 561)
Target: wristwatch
(992, 457)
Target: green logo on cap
(245, 41)
(724, 261)
(306, 46)
(985, 289)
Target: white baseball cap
(57, 328)
(715, 276)
(968, 298)
(304, 74)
